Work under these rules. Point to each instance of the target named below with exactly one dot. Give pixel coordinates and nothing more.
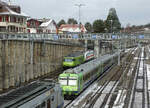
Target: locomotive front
(69, 83)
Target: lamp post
(111, 35)
(79, 20)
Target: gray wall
(22, 61)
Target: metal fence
(90, 36)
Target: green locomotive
(77, 58)
(73, 60)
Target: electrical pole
(119, 53)
(9, 2)
(111, 34)
(111, 26)
(79, 6)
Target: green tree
(88, 27)
(72, 21)
(61, 22)
(112, 22)
(98, 26)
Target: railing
(105, 36)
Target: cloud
(129, 11)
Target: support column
(103, 50)
(1, 75)
(31, 59)
(12, 79)
(96, 48)
(85, 45)
(5, 67)
(23, 62)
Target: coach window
(37, 106)
(43, 105)
(52, 98)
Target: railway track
(139, 94)
(99, 99)
(104, 95)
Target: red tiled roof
(69, 26)
(73, 26)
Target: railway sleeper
(140, 77)
(139, 90)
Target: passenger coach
(41, 94)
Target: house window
(17, 29)
(1, 8)
(3, 19)
(28, 24)
(37, 23)
(21, 20)
(28, 30)
(7, 18)
(18, 19)
(48, 31)
(14, 19)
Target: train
(77, 58)
(39, 94)
(73, 81)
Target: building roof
(45, 24)
(9, 11)
(72, 28)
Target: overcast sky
(129, 11)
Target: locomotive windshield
(69, 60)
(63, 81)
(72, 81)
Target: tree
(147, 25)
(112, 22)
(98, 26)
(88, 27)
(72, 21)
(61, 22)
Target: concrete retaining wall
(22, 61)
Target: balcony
(13, 24)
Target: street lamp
(79, 5)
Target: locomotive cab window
(63, 81)
(72, 81)
(69, 60)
